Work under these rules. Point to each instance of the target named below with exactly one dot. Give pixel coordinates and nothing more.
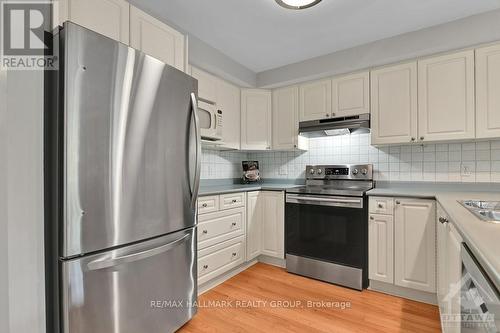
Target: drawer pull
(205, 232)
(372, 218)
(398, 202)
(205, 266)
(204, 205)
(234, 254)
(233, 224)
(443, 220)
(380, 205)
(235, 201)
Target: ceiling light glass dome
(297, 4)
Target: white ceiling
(261, 35)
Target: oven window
(333, 234)
(205, 119)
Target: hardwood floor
(252, 306)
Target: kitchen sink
(488, 211)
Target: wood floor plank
(253, 297)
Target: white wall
(466, 32)
(4, 272)
(24, 185)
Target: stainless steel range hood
(335, 126)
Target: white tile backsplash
(441, 162)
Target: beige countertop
(481, 237)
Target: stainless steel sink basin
(487, 211)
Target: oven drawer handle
(356, 201)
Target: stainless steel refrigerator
(122, 168)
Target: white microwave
(210, 121)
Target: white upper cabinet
(256, 119)
(157, 39)
(107, 17)
(207, 85)
(273, 235)
(415, 244)
(488, 92)
(315, 100)
(351, 95)
(381, 248)
(228, 101)
(285, 118)
(446, 97)
(394, 104)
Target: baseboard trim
(224, 277)
(272, 261)
(414, 295)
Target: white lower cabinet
(381, 248)
(220, 258)
(402, 244)
(254, 224)
(415, 244)
(266, 221)
(449, 270)
(216, 227)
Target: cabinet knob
(443, 220)
(380, 205)
(412, 139)
(294, 146)
(205, 232)
(234, 201)
(268, 148)
(372, 218)
(204, 205)
(205, 266)
(398, 202)
(421, 138)
(233, 224)
(234, 254)
(327, 115)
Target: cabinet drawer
(208, 204)
(220, 226)
(381, 205)
(220, 258)
(232, 200)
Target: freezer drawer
(147, 287)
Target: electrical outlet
(465, 170)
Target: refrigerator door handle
(106, 263)
(196, 185)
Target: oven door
(208, 121)
(327, 228)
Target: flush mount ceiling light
(297, 4)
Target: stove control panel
(361, 172)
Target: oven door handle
(334, 201)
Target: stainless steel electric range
(326, 225)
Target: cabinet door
(381, 248)
(454, 263)
(315, 100)
(446, 97)
(488, 92)
(415, 244)
(442, 261)
(254, 225)
(351, 95)
(273, 234)
(207, 85)
(394, 104)
(107, 17)
(255, 119)
(285, 118)
(228, 101)
(157, 39)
